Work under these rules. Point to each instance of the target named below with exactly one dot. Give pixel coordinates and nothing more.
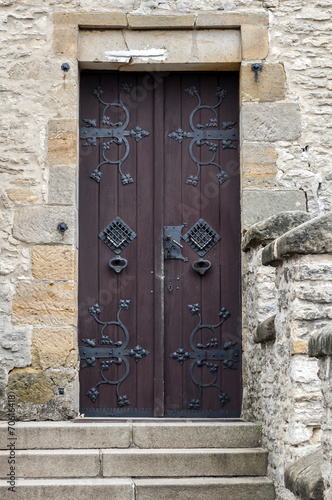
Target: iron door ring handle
(201, 266)
(118, 263)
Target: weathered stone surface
(304, 476)
(53, 348)
(62, 185)
(135, 462)
(61, 435)
(30, 386)
(271, 122)
(73, 488)
(39, 225)
(271, 202)
(259, 164)
(320, 344)
(300, 347)
(62, 142)
(267, 84)
(265, 331)
(204, 488)
(271, 228)
(312, 237)
(230, 19)
(64, 41)
(191, 49)
(91, 19)
(254, 42)
(45, 303)
(196, 435)
(53, 262)
(21, 195)
(160, 21)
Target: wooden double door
(159, 245)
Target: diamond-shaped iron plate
(201, 237)
(117, 235)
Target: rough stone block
(21, 195)
(53, 348)
(39, 225)
(271, 228)
(320, 344)
(136, 21)
(312, 237)
(260, 204)
(64, 41)
(62, 141)
(265, 331)
(300, 347)
(62, 185)
(266, 84)
(259, 164)
(231, 19)
(254, 42)
(30, 386)
(269, 122)
(304, 476)
(53, 262)
(91, 19)
(45, 303)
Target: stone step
(134, 462)
(148, 434)
(198, 488)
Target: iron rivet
(62, 227)
(151, 291)
(65, 67)
(256, 67)
(61, 390)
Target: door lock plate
(172, 245)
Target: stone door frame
(262, 92)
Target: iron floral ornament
(117, 134)
(206, 135)
(115, 354)
(202, 354)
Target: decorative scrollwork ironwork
(201, 355)
(206, 135)
(117, 134)
(115, 354)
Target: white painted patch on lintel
(125, 56)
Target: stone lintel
(304, 477)
(320, 344)
(267, 230)
(200, 20)
(310, 238)
(265, 331)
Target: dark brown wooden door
(159, 245)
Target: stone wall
(281, 384)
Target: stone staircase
(135, 460)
